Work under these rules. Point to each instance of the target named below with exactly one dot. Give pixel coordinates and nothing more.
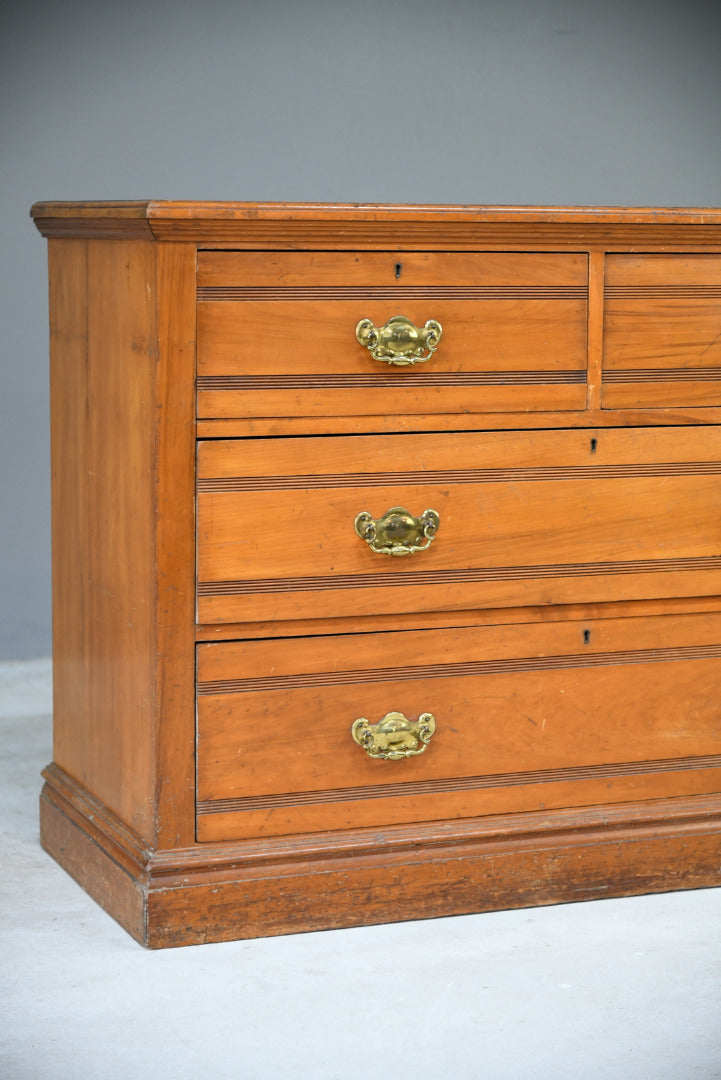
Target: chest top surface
(340, 225)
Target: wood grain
(596, 304)
(662, 331)
(529, 795)
(174, 446)
(564, 627)
(123, 450)
(278, 340)
(372, 455)
(685, 271)
(523, 524)
(466, 617)
(103, 357)
(271, 721)
(219, 891)
(367, 226)
(293, 337)
(398, 270)
(384, 423)
(278, 333)
(578, 856)
(566, 504)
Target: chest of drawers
(387, 560)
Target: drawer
(526, 717)
(277, 332)
(552, 517)
(662, 331)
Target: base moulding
(209, 892)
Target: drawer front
(549, 517)
(526, 717)
(662, 331)
(277, 333)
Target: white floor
(610, 990)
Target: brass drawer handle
(399, 341)
(394, 737)
(398, 532)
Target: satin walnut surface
(220, 625)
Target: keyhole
(399, 269)
(586, 637)
(594, 445)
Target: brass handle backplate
(399, 342)
(394, 737)
(398, 532)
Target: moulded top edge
(374, 225)
(226, 210)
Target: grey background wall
(586, 102)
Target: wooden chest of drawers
(387, 560)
